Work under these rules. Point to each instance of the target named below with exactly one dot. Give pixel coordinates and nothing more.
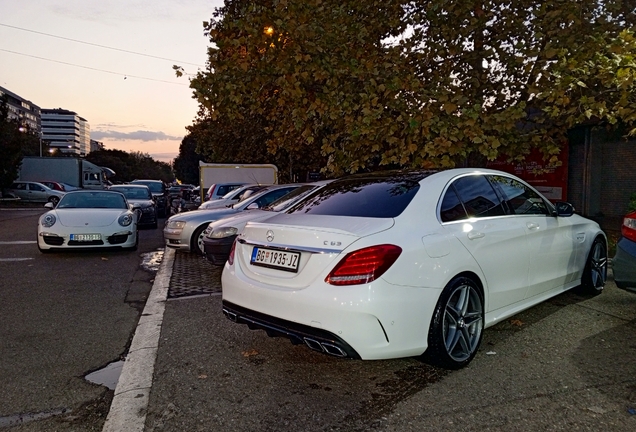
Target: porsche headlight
(125, 219)
(48, 220)
(223, 232)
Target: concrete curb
(132, 394)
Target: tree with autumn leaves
(348, 86)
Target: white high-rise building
(66, 132)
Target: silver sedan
(184, 231)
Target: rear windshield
(153, 186)
(133, 192)
(361, 197)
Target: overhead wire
(95, 69)
(100, 46)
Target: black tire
(196, 242)
(457, 325)
(54, 200)
(595, 272)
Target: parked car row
(370, 266)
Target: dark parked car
(175, 190)
(141, 198)
(624, 263)
(159, 192)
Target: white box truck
(73, 171)
(214, 173)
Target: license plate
(281, 260)
(86, 237)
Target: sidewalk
(180, 275)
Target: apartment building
(23, 110)
(65, 132)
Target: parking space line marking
(17, 242)
(15, 259)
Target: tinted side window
(225, 189)
(363, 197)
(272, 196)
(20, 186)
(452, 208)
(35, 187)
(520, 198)
(478, 196)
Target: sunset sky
(111, 62)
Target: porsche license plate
(281, 260)
(86, 237)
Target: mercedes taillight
(364, 265)
(628, 230)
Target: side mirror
(49, 205)
(252, 206)
(564, 209)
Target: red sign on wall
(549, 179)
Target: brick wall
(601, 175)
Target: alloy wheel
(463, 323)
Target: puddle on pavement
(151, 261)
(107, 376)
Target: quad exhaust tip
(325, 347)
(230, 315)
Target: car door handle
(532, 226)
(475, 235)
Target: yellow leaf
(450, 107)
(250, 353)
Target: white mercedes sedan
(88, 219)
(395, 264)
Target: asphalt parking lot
(567, 364)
